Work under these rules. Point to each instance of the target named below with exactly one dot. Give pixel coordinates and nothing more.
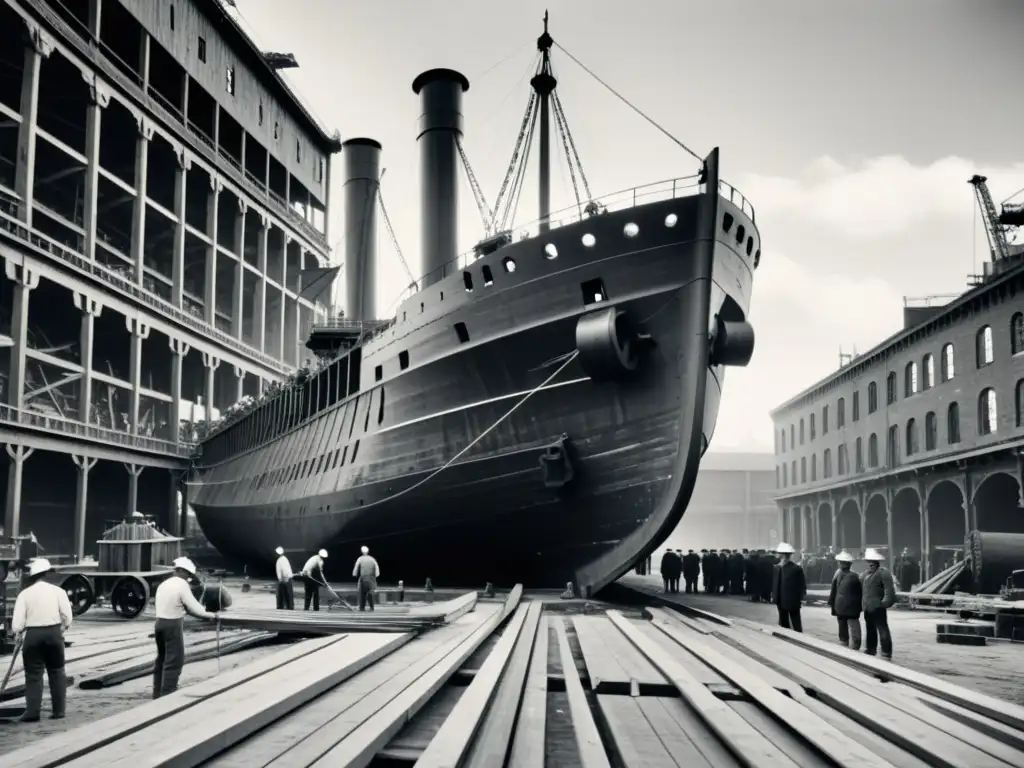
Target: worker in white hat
(789, 588)
(42, 614)
(285, 588)
(845, 601)
(174, 599)
(879, 596)
(313, 578)
(366, 573)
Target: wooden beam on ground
(531, 722)
(62, 748)
(588, 738)
(748, 744)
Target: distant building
(732, 505)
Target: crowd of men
(721, 572)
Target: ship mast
(543, 84)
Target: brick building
(917, 441)
(732, 504)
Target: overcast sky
(851, 126)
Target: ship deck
(536, 682)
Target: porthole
(671, 220)
(550, 252)
(589, 241)
(631, 230)
(509, 263)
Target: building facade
(732, 505)
(916, 442)
(161, 193)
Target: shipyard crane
(997, 226)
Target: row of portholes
(741, 233)
(630, 230)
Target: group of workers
(366, 572)
(731, 572)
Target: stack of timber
(509, 685)
(383, 619)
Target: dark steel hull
(634, 442)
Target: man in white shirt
(285, 588)
(174, 599)
(311, 572)
(42, 614)
(366, 573)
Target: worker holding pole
(285, 588)
(313, 568)
(366, 573)
(174, 599)
(42, 614)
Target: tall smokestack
(362, 180)
(439, 126)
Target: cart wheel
(129, 596)
(80, 593)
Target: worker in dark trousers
(312, 578)
(285, 588)
(174, 599)
(704, 565)
(767, 572)
(789, 588)
(666, 569)
(42, 614)
(845, 600)
(366, 572)
(691, 571)
(736, 573)
(879, 596)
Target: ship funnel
(440, 125)
(362, 180)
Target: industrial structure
(918, 441)
(163, 211)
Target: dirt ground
(996, 669)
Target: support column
(284, 296)
(24, 280)
(174, 513)
(211, 251)
(178, 262)
(835, 528)
(90, 309)
(134, 470)
(237, 303)
(83, 465)
(300, 348)
(260, 303)
(99, 99)
(144, 50)
(239, 383)
(327, 200)
(139, 333)
(15, 473)
(925, 530)
(210, 363)
(139, 210)
(40, 47)
(178, 351)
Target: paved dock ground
(996, 669)
(537, 682)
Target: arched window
(782, 433)
(1017, 333)
(873, 451)
(826, 463)
(953, 423)
(824, 420)
(803, 469)
(872, 397)
(928, 365)
(983, 341)
(841, 459)
(841, 413)
(801, 431)
(793, 471)
(911, 437)
(931, 431)
(811, 425)
(859, 456)
(892, 449)
(910, 380)
(948, 368)
(890, 388)
(987, 411)
(814, 467)
(792, 436)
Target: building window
(859, 455)
(201, 50)
(856, 406)
(910, 380)
(298, 151)
(814, 467)
(890, 388)
(785, 476)
(931, 431)
(983, 342)
(841, 460)
(948, 369)
(873, 451)
(801, 431)
(172, 16)
(911, 437)
(782, 433)
(841, 413)
(229, 80)
(1017, 333)
(892, 449)
(987, 411)
(872, 397)
(261, 113)
(953, 424)
(928, 364)
(824, 420)
(826, 464)
(803, 469)
(320, 165)
(277, 130)
(793, 471)
(812, 425)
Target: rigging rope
(572, 143)
(628, 103)
(563, 129)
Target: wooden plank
(986, 725)
(604, 668)
(528, 742)
(588, 739)
(215, 724)
(680, 744)
(451, 743)
(61, 748)
(997, 709)
(786, 739)
(694, 666)
(827, 739)
(642, 674)
(636, 741)
(695, 729)
(753, 749)
(494, 738)
(358, 745)
(917, 737)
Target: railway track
(531, 683)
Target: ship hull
(451, 485)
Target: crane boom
(994, 230)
